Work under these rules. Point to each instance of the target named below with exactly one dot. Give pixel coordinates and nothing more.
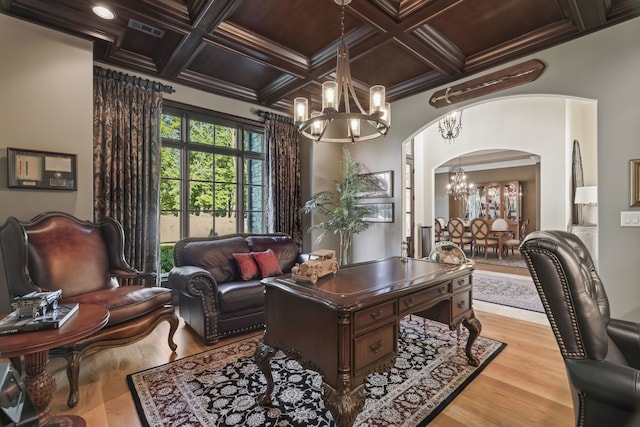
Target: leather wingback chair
(601, 354)
(85, 260)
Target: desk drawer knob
(461, 282)
(461, 304)
(442, 289)
(408, 301)
(376, 314)
(376, 347)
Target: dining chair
(513, 242)
(458, 235)
(438, 232)
(480, 232)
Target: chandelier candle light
(459, 188)
(343, 126)
(450, 126)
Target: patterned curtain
(126, 165)
(283, 183)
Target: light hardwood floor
(525, 385)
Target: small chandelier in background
(450, 126)
(333, 125)
(459, 188)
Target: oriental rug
(220, 387)
(506, 289)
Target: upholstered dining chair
(458, 234)
(438, 232)
(514, 242)
(601, 354)
(85, 260)
(481, 240)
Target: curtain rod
(131, 80)
(273, 116)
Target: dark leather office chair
(601, 354)
(85, 260)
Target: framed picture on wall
(378, 212)
(385, 184)
(634, 185)
(41, 170)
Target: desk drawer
(460, 303)
(459, 283)
(406, 303)
(374, 346)
(367, 317)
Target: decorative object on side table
(36, 311)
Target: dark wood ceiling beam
(587, 14)
(211, 15)
(219, 87)
(258, 48)
(434, 55)
(534, 41)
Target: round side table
(35, 345)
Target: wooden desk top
(353, 285)
(89, 319)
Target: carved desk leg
(262, 357)
(474, 327)
(344, 406)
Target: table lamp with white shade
(587, 196)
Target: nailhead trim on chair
(567, 299)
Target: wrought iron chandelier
(459, 188)
(343, 126)
(450, 126)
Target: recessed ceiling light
(103, 12)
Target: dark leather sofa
(213, 298)
(601, 353)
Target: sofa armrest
(194, 281)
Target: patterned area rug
(219, 387)
(506, 289)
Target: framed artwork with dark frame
(378, 212)
(634, 185)
(41, 170)
(385, 182)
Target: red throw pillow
(268, 263)
(247, 266)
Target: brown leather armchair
(85, 260)
(601, 354)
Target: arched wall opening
(544, 126)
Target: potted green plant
(343, 209)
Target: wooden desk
(34, 346)
(346, 326)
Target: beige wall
(601, 67)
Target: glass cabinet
(495, 200)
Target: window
(211, 176)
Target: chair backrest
(437, 227)
(500, 224)
(57, 251)
(523, 228)
(572, 294)
(442, 221)
(455, 227)
(479, 228)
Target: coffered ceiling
(269, 51)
